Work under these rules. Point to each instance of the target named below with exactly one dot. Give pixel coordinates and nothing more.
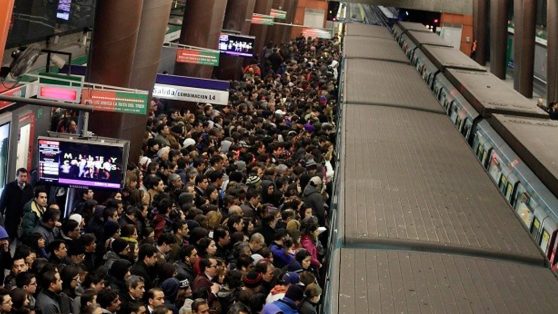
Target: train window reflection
(494, 168)
(544, 240)
(4, 149)
(535, 228)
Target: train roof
(365, 30)
(488, 94)
(373, 48)
(446, 57)
(413, 26)
(387, 281)
(427, 38)
(411, 180)
(372, 82)
(535, 141)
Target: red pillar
(6, 9)
(552, 49)
(498, 37)
(201, 27)
(260, 31)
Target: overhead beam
(464, 7)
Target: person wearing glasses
(28, 283)
(206, 281)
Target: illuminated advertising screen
(237, 45)
(63, 9)
(81, 164)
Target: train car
(418, 225)
(393, 281)
(372, 48)
(425, 188)
(488, 94)
(432, 60)
(401, 27)
(365, 30)
(411, 41)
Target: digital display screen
(63, 9)
(82, 165)
(237, 45)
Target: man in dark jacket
(145, 266)
(312, 197)
(48, 301)
(14, 197)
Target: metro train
(513, 139)
(417, 226)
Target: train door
(5, 130)
(452, 112)
(535, 229)
(524, 205)
(482, 149)
(495, 167)
(466, 128)
(507, 184)
(549, 228)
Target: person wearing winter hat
(288, 304)
(252, 280)
(119, 250)
(253, 180)
(170, 288)
(278, 292)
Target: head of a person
(148, 254)
(155, 297)
(109, 300)
(51, 281)
(200, 306)
(209, 267)
(50, 217)
(27, 281)
(136, 286)
(6, 299)
(58, 248)
(40, 196)
(21, 176)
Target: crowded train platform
(226, 210)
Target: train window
(466, 130)
(544, 240)
(509, 192)
(503, 184)
(4, 149)
(453, 113)
(494, 168)
(535, 228)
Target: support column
(201, 27)
(517, 41)
(146, 62)
(260, 31)
(526, 44)
(290, 7)
(552, 49)
(498, 37)
(237, 12)
(111, 57)
(274, 33)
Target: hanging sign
(262, 19)
(278, 14)
(204, 57)
(115, 100)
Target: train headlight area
(436, 214)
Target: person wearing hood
(312, 197)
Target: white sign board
(216, 97)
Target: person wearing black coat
(14, 196)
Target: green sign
(204, 57)
(60, 79)
(278, 14)
(115, 101)
(262, 19)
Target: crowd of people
(225, 212)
